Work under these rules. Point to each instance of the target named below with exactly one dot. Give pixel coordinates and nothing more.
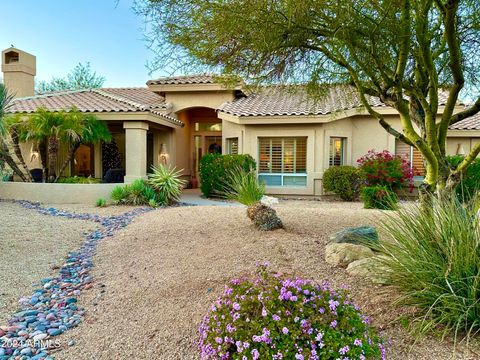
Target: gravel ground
(155, 279)
(30, 245)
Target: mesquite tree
(401, 51)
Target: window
(337, 151)
(232, 146)
(283, 161)
(413, 155)
(208, 126)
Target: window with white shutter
(283, 161)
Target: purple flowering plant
(267, 316)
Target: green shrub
(379, 197)
(272, 317)
(119, 194)
(166, 183)
(79, 180)
(344, 181)
(470, 183)
(434, 259)
(101, 202)
(152, 203)
(163, 187)
(214, 170)
(137, 193)
(242, 186)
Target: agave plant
(167, 183)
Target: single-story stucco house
(178, 119)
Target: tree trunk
(42, 149)
(5, 154)
(71, 152)
(18, 153)
(52, 157)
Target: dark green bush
(379, 197)
(470, 183)
(214, 170)
(344, 181)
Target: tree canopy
(81, 77)
(401, 51)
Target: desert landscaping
(154, 279)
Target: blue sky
(62, 33)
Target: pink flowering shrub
(386, 169)
(270, 317)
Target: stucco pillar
(135, 150)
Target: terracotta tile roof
(280, 100)
(184, 79)
(97, 100)
(471, 123)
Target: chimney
(19, 69)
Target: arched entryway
(201, 135)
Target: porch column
(135, 150)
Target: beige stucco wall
(56, 193)
(362, 132)
(186, 100)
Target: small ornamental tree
(386, 169)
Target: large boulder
(362, 235)
(266, 219)
(342, 254)
(370, 268)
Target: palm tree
(15, 126)
(92, 131)
(48, 129)
(5, 104)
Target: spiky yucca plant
(167, 183)
(433, 258)
(243, 186)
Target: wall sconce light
(34, 154)
(460, 150)
(163, 155)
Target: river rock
(362, 235)
(40, 337)
(342, 254)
